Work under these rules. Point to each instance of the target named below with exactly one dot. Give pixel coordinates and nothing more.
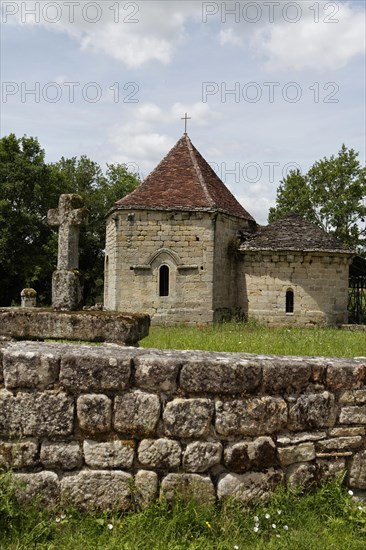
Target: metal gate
(357, 292)
(357, 300)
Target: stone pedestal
(28, 297)
(67, 290)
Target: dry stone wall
(102, 427)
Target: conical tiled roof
(292, 232)
(183, 181)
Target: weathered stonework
(110, 427)
(85, 326)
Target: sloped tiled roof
(183, 180)
(292, 232)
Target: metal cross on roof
(185, 118)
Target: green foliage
(29, 187)
(331, 195)
(326, 517)
(252, 337)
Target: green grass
(255, 338)
(325, 519)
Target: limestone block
(186, 487)
(357, 476)
(200, 456)
(136, 413)
(109, 454)
(284, 374)
(41, 488)
(259, 454)
(303, 452)
(221, 373)
(37, 414)
(159, 453)
(301, 474)
(263, 415)
(344, 376)
(284, 440)
(236, 457)
(97, 490)
(355, 396)
(29, 369)
(145, 488)
(1, 363)
(94, 413)
(96, 369)
(61, 456)
(249, 486)
(188, 417)
(353, 415)
(331, 467)
(313, 411)
(346, 431)
(156, 373)
(339, 444)
(18, 454)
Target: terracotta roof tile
(183, 180)
(292, 232)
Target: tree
(28, 189)
(332, 195)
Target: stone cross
(66, 280)
(69, 215)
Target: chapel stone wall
(227, 298)
(139, 242)
(319, 282)
(101, 427)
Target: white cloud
(310, 45)
(137, 141)
(228, 36)
(137, 33)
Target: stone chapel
(181, 248)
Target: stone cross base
(67, 290)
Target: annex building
(181, 248)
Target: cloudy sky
(269, 85)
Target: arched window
(164, 280)
(290, 301)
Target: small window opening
(164, 280)
(290, 301)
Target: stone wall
(111, 427)
(319, 282)
(139, 242)
(227, 293)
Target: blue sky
(269, 85)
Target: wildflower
(267, 516)
(236, 547)
(256, 519)
(110, 526)
(63, 516)
(208, 525)
(285, 527)
(360, 507)
(57, 520)
(273, 526)
(256, 529)
(279, 512)
(350, 492)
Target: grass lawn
(255, 338)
